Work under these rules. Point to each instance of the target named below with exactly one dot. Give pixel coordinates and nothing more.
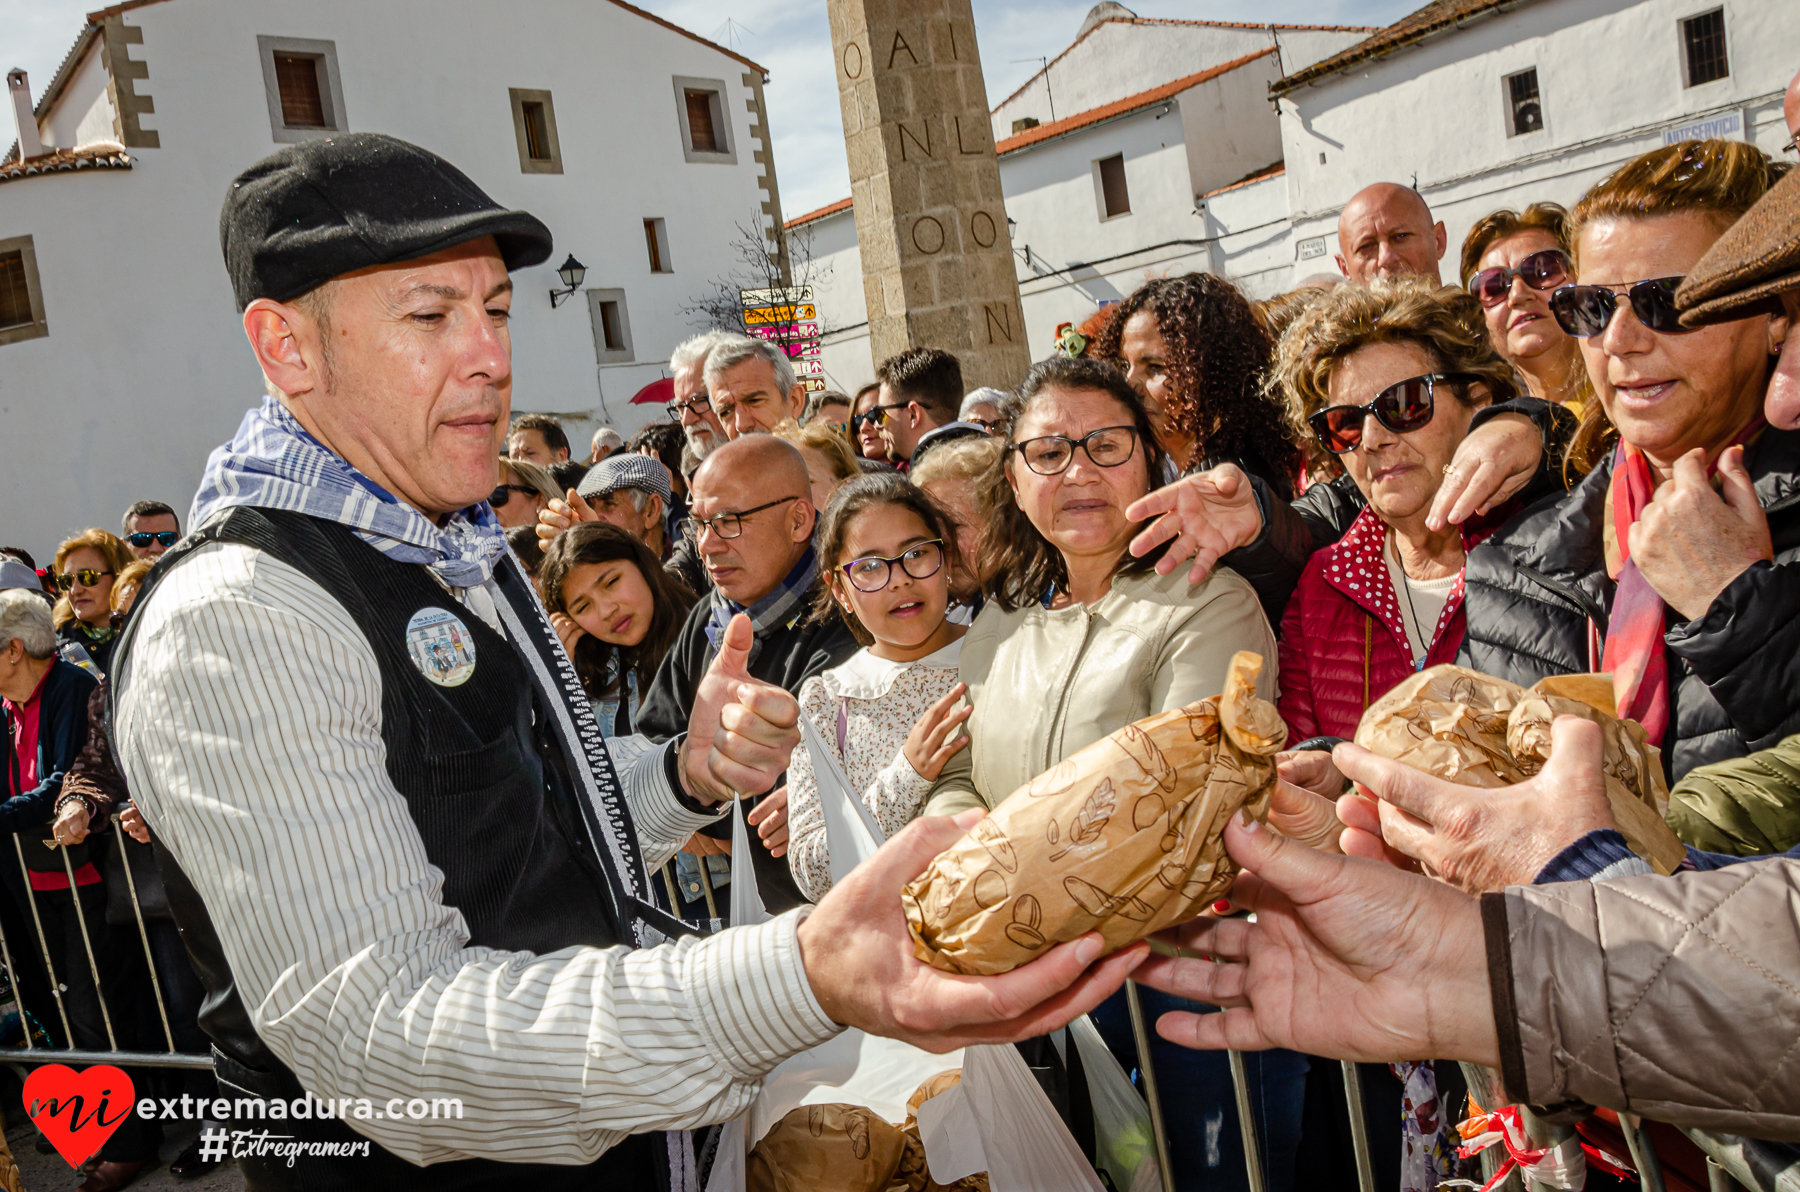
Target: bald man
(751, 518)
(1386, 230)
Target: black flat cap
(320, 209)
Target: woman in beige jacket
(1077, 639)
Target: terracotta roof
(1435, 17)
(106, 155)
(1167, 22)
(94, 18)
(821, 213)
(1270, 171)
(1121, 107)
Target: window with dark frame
(15, 294)
(656, 240)
(702, 132)
(1703, 44)
(302, 103)
(1525, 107)
(1115, 199)
(610, 329)
(537, 130)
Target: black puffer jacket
(1534, 589)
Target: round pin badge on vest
(441, 646)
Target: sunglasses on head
(143, 538)
(1401, 407)
(503, 493)
(1586, 310)
(87, 577)
(1541, 271)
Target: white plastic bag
(998, 1120)
(1122, 1133)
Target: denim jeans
(1200, 1106)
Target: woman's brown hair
(857, 496)
(601, 542)
(1219, 355)
(110, 546)
(1718, 179)
(1021, 564)
(1445, 322)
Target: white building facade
(122, 358)
(1481, 104)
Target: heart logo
(78, 1111)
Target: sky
(792, 40)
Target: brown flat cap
(1757, 258)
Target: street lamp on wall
(573, 273)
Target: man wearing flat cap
(391, 834)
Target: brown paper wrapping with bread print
(848, 1148)
(1122, 837)
(1476, 730)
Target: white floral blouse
(879, 702)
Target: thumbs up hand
(1691, 542)
(741, 731)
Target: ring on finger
(1449, 469)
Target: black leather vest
(488, 788)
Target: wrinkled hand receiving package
(1122, 837)
(1476, 730)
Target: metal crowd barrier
(31, 1053)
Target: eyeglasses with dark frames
(1541, 271)
(1401, 407)
(1051, 455)
(872, 573)
(143, 538)
(698, 405)
(503, 493)
(87, 577)
(1587, 310)
(725, 525)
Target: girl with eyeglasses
(83, 571)
(891, 710)
(1078, 638)
(1660, 567)
(1511, 262)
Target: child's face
(609, 600)
(908, 608)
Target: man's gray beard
(693, 434)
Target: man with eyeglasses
(921, 394)
(149, 528)
(752, 522)
(692, 408)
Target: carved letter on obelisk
(930, 218)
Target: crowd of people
(1582, 458)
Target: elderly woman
(829, 460)
(1644, 570)
(524, 490)
(1511, 261)
(1092, 639)
(1387, 379)
(83, 571)
(954, 476)
(1194, 348)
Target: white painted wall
(1121, 58)
(1230, 127)
(1609, 72)
(145, 368)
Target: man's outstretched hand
(859, 957)
(1207, 515)
(1347, 958)
(741, 730)
(1476, 839)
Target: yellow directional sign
(758, 316)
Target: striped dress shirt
(249, 728)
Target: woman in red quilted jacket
(1383, 381)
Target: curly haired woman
(1194, 348)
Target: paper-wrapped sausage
(1476, 730)
(1122, 837)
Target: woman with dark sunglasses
(524, 490)
(83, 572)
(1511, 262)
(1656, 568)
(864, 428)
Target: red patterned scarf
(1635, 655)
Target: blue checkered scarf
(273, 463)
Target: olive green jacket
(1746, 806)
